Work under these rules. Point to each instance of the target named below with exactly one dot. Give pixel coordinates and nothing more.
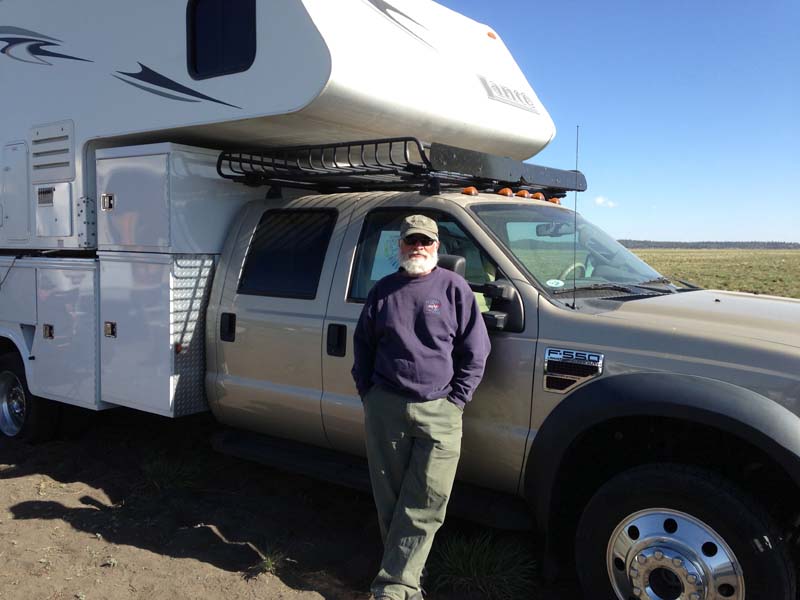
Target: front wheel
(669, 532)
(23, 416)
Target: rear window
(221, 37)
(286, 254)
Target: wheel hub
(12, 404)
(662, 554)
(666, 574)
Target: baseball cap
(419, 224)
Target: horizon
(688, 128)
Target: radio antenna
(575, 223)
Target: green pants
(413, 449)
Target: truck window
(221, 37)
(286, 253)
(376, 256)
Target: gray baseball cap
(419, 224)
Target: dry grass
(774, 272)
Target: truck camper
(193, 222)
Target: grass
(774, 272)
(483, 565)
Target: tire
(23, 416)
(649, 533)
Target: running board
(470, 502)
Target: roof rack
(402, 163)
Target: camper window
(221, 37)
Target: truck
(194, 223)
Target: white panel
(139, 218)
(136, 366)
(16, 203)
(65, 366)
(53, 152)
(53, 210)
(18, 292)
(166, 198)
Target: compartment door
(136, 357)
(16, 206)
(65, 368)
(133, 211)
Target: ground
(141, 507)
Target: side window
(221, 36)
(377, 251)
(286, 253)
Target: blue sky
(689, 109)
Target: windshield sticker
(555, 283)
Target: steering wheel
(577, 267)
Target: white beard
(418, 265)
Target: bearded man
(420, 350)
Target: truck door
(269, 321)
(496, 422)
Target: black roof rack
(390, 164)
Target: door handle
(337, 339)
(227, 327)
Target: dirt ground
(142, 507)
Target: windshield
(542, 237)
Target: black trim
(387, 9)
(731, 409)
(148, 75)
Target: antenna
(575, 225)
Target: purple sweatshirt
(422, 336)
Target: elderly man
(420, 350)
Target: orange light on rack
(523, 194)
(470, 191)
(555, 200)
(538, 196)
(506, 192)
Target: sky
(689, 110)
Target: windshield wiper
(670, 281)
(616, 287)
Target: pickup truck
(650, 427)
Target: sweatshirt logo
(433, 307)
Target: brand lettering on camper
(508, 95)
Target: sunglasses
(413, 240)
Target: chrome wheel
(13, 408)
(663, 554)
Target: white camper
(85, 75)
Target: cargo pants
(413, 449)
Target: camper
(193, 222)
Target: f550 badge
(574, 356)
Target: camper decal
(28, 46)
(150, 77)
(508, 95)
(392, 13)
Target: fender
(729, 408)
(17, 338)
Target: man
(420, 350)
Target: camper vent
(53, 152)
(45, 196)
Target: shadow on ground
(165, 490)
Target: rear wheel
(22, 415)
(668, 532)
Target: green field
(775, 272)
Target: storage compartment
(152, 338)
(64, 347)
(164, 198)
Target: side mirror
(506, 309)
